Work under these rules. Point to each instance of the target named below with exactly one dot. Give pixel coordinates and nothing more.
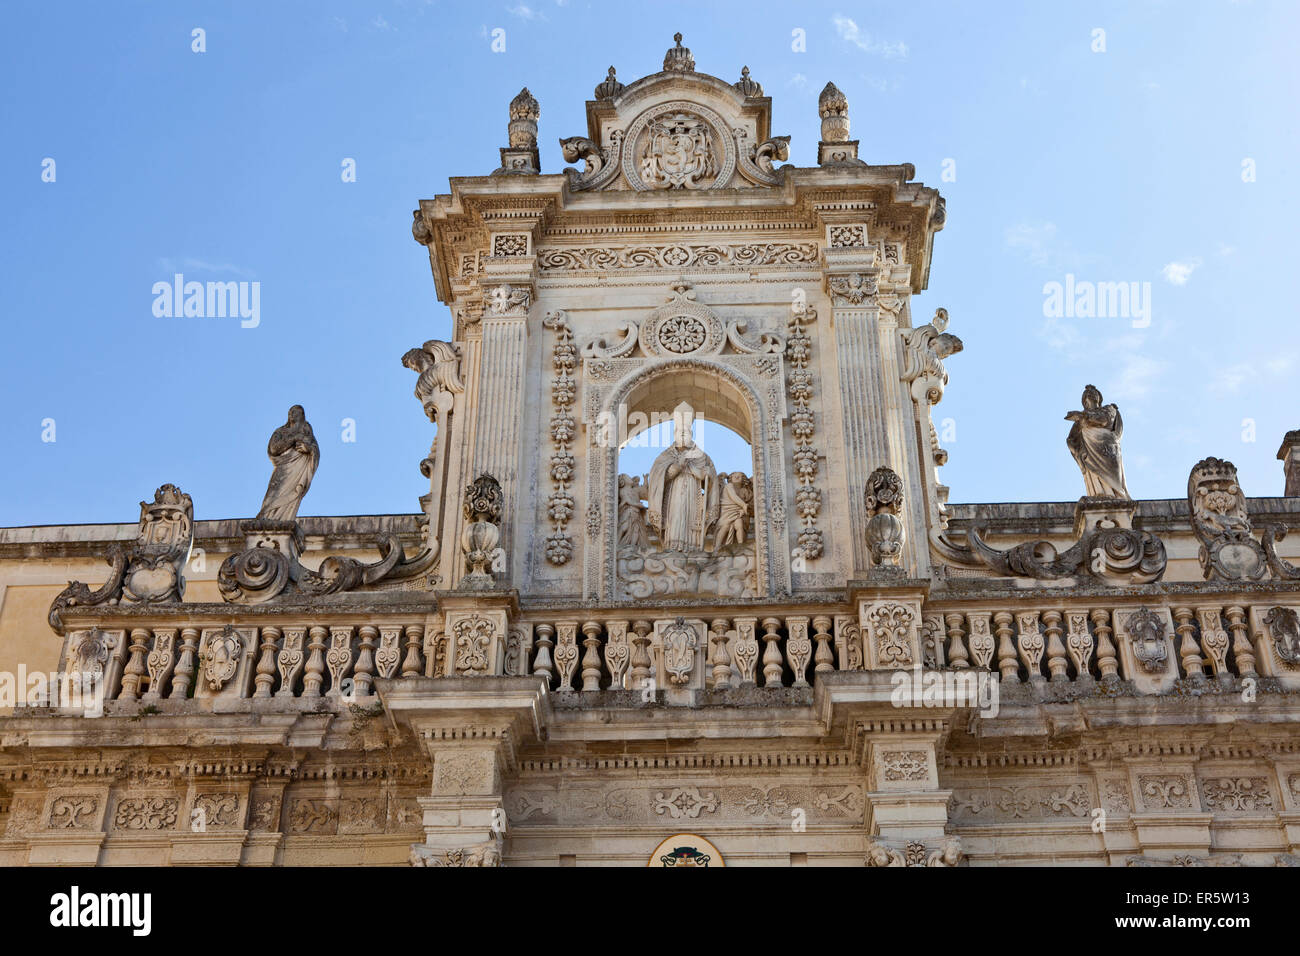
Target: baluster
(1106, 661)
(798, 649)
(981, 638)
(184, 677)
(364, 673)
(591, 659)
(1214, 641)
(413, 663)
(641, 662)
(744, 649)
(160, 662)
(1056, 661)
(616, 652)
(1031, 644)
(265, 678)
(1242, 649)
(315, 676)
(956, 646)
(1079, 643)
(771, 653)
(566, 654)
(543, 663)
(339, 658)
(824, 659)
(932, 640)
(134, 672)
(389, 654)
(290, 660)
(720, 659)
(1007, 663)
(1188, 649)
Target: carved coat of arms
(677, 153)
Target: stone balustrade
(1150, 646)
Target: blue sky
(1122, 165)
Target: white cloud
(202, 265)
(848, 30)
(1137, 378)
(525, 12)
(1177, 273)
(1058, 334)
(1227, 379)
(1035, 240)
(379, 23)
(799, 81)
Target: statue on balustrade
(685, 499)
(1094, 442)
(294, 455)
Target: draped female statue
(1094, 443)
(294, 455)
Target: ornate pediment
(677, 130)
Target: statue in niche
(684, 493)
(294, 455)
(1094, 442)
(737, 507)
(632, 534)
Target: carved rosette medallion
(682, 327)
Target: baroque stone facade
(813, 659)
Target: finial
(679, 58)
(835, 149)
(609, 87)
(521, 155)
(746, 86)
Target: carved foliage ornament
(560, 504)
(885, 530)
(808, 498)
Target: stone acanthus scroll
(438, 365)
(924, 350)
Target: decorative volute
(678, 58)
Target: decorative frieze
(677, 256)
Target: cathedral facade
(812, 659)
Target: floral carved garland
(559, 545)
(808, 499)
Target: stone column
(500, 398)
(851, 284)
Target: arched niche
(719, 391)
